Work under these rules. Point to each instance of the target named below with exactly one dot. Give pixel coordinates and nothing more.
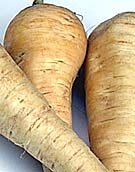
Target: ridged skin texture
(49, 43)
(110, 92)
(28, 121)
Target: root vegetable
(49, 43)
(28, 121)
(51, 70)
(110, 92)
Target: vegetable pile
(44, 47)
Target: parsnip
(28, 121)
(49, 43)
(52, 73)
(110, 92)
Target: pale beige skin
(28, 121)
(110, 92)
(49, 43)
(53, 65)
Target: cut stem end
(38, 2)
